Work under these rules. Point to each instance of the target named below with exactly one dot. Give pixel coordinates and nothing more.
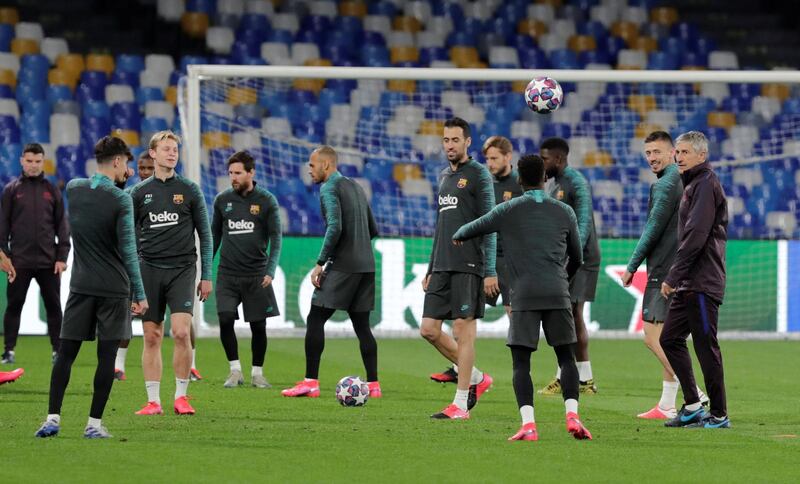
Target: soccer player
(101, 217)
(498, 151)
(344, 276)
(658, 244)
(544, 252)
(697, 280)
(572, 188)
(168, 210)
(34, 233)
(455, 285)
(246, 223)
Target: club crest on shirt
(560, 195)
(255, 209)
(148, 197)
(462, 182)
(228, 207)
(177, 198)
(506, 196)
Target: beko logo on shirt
(447, 202)
(240, 227)
(163, 219)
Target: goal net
(386, 125)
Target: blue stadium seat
(7, 34)
(564, 59)
(131, 63)
(129, 78)
(283, 36)
(6, 92)
(533, 58)
(35, 62)
(662, 61)
(96, 109)
(204, 6)
(125, 116)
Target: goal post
(383, 122)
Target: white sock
(694, 406)
(526, 412)
(702, 395)
(477, 376)
(669, 390)
(558, 373)
(181, 387)
(571, 405)
(584, 370)
(461, 399)
(235, 365)
(153, 391)
(194, 354)
(93, 422)
(309, 379)
(120, 363)
(455, 368)
(257, 371)
(54, 417)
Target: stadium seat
(353, 9)
(9, 61)
(634, 14)
(9, 15)
(462, 56)
(580, 43)
(29, 30)
(406, 24)
(8, 78)
(781, 92)
(721, 119)
(170, 10)
(286, 21)
(303, 51)
(631, 59)
(664, 15)
(60, 77)
(784, 223)
(723, 60)
(219, 40)
(542, 12)
(532, 27)
(627, 31)
(53, 47)
(231, 7)
(21, 47)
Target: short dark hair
(659, 136)
(145, 155)
(34, 148)
(243, 157)
(108, 147)
(555, 144)
(456, 122)
(531, 170)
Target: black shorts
(258, 302)
(559, 328)
(583, 286)
(504, 281)
(86, 316)
(168, 287)
(454, 295)
(654, 305)
(346, 291)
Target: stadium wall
(401, 267)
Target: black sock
(59, 378)
(228, 336)
(523, 385)
(258, 345)
(366, 343)
(103, 376)
(569, 371)
(315, 338)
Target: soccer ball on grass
(351, 391)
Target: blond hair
(161, 136)
(500, 142)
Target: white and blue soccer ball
(544, 95)
(352, 391)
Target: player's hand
(425, 281)
(60, 267)
(266, 281)
(458, 243)
(7, 267)
(315, 275)
(138, 308)
(490, 286)
(627, 278)
(204, 290)
(666, 290)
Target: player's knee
(429, 332)
(152, 339)
(181, 335)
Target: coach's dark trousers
(50, 285)
(695, 313)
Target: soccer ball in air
(544, 95)
(351, 391)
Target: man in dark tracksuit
(344, 277)
(697, 279)
(544, 249)
(246, 222)
(34, 233)
(572, 188)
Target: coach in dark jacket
(697, 277)
(35, 234)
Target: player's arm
(273, 234)
(657, 222)
(696, 230)
(203, 228)
(574, 247)
(485, 206)
(583, 208)
(5, 218)
(216, 227)
(62, 227)
(126, 235)
(482, 226)
(7, 267)
(332, 212)
(373, 227)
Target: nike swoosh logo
(686, 418)
(710, 425)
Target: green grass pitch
(247, 435)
